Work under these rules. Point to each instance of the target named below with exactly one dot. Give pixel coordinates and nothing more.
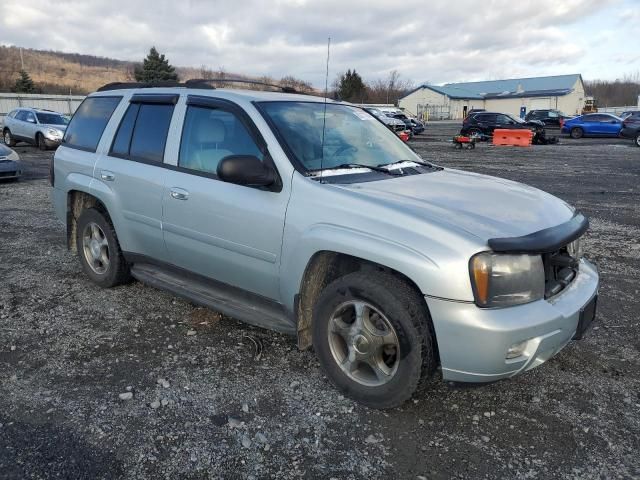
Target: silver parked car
(393, 123)
(313, 219)
(10, 165)
(43, 128)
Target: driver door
(230, 233)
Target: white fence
(66, 104)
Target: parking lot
(214, 398)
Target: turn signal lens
(503, 280)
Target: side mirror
(245, 170)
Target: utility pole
(21, 59)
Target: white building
(515, 96)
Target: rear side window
(89, 121)
(142, 134)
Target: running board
(230, 301)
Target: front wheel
(40, 142)
(577, 132)
(638, 140)
(372, 335)
(99, 250)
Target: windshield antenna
(324, 115)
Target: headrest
(210, 130)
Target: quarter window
(211, 134)
(89, 121)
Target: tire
(404, 361)
(638, 139)
(576, 133)
(8, 138)
(40, 143)
(101, 260)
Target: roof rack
(165, 84)
(193, 83)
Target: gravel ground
(134, 383)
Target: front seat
(206, 153)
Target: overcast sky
(429, 40)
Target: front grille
(560, 269)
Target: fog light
(516, 350)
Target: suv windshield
(351, 135)
(51, 119)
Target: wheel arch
(326, 266)
(77, 201)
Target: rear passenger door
(132, 171)
(227, 232)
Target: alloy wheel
(363, 343)
(95, 248)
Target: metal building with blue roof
(515, 96)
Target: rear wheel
(577, 132)
(8, 138)
(372, 335)
(99, 250)
(638, 139)
(40, 142)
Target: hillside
(58, 72)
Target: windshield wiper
(375, 168)
(424, 164)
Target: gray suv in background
(310, 217)
(43, 128)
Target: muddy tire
(99, 251)
(372, 334)
(576, 133)
(8, 138)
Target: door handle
(107, 176)
(179, 194)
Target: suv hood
(486, 207)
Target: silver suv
(310, 217)
(43, 128)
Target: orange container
(512, 138)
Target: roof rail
(193, 83)
(200, 81)
(168, 83)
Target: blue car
(593, 125)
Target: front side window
(51, 119)
(142, 134)
(211, 134)
(342, 135)
(29, 117)
(89, 121)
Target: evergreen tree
(351, 88)
(155, 68)
(24, 84)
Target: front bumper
(473, 341)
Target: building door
(464, 111)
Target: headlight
(13, 156)
(54, 133)
(502, 280)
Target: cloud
(439, 40)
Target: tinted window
(89, 122)
(504, 120)
(150, 132)
(485, 117)
(21, 115)
(30, 117)
(122, 140)
(209, 135)
(51, 119)
(595, 118)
